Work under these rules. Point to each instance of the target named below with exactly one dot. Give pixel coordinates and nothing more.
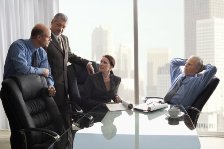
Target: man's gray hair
(199, 61)
(60, 16)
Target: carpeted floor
(4, 139)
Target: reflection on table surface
(135, 130)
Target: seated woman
(101, 87)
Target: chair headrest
(30, 85)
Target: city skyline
(161, 26)
(117, 15)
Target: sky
(161, 23)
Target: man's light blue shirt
(19, 60)
(191, 86)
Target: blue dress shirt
(19, 60)
(191, 86)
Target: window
(98, 27)
(167, 29)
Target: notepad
(116, 107)
(124, 105)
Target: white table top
(135, 130)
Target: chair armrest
(75, 107)
(48, 132)
(193, 108)
(41, 130)
(194, 113)
(82, 120)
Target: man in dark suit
(59, 54)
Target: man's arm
(22, 60)
(208, 72)
(45, 64)
(175, 67)
(73, 58)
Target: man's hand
(51, 91)
(90, 68)
(202, 68)
(45, 72)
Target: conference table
(131, 129)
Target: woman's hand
(90, 68)
(117, 99)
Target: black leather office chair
(197, 106)
(77, 76)
(34, 118)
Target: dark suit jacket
(58, 60)
(95, 91)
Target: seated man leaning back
(188, 83)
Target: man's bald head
(193, 65)
(39, 29)
(41, 35)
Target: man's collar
(31, 45)
(56, 37)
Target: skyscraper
(204, 36)
(124, 59)
(210, 45)
(101, 42)
(196, 10)
(156, 61)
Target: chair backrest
(77, 76)
(27, 105)
(81, 72)
(202, 98)
(206, 93)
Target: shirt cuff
(40, 71)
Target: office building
(101, 42)
(204, 36)
(196, 10)
(124, 59)
(156, 58)
(210, 37)
(164, 81)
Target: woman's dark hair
(111, 60)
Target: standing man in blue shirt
(192, 79)
(26, 56)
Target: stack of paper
(124, 105)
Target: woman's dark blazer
(95, 90)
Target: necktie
(60, 42)
(174, 88)
(35, 60)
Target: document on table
(124, 105)
(147, 107)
